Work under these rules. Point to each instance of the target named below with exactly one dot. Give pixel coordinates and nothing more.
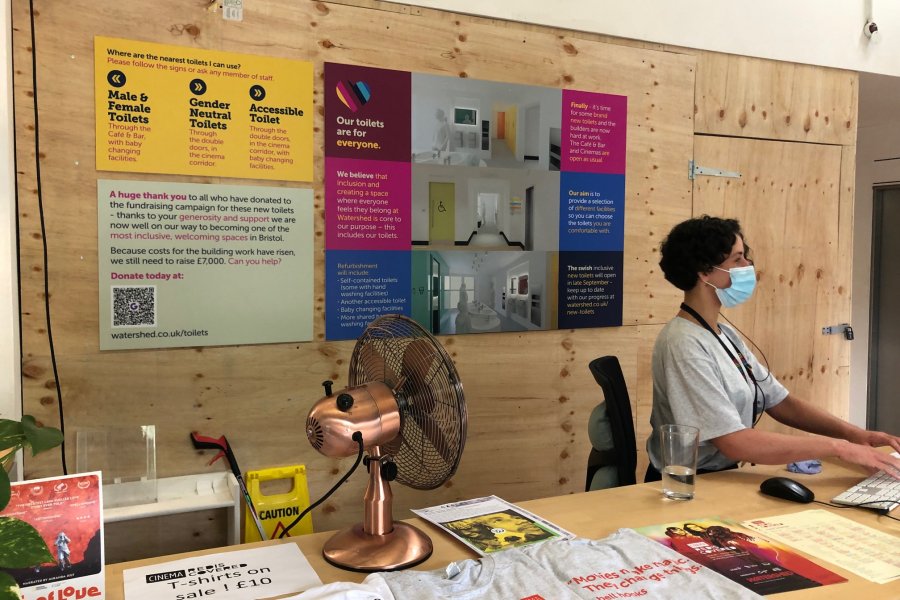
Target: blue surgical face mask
(743, 282)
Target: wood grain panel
(753, 97)
(788, 201)
(529, 395)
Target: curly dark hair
(696, 246)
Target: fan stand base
(356, 550)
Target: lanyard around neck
(743, 366)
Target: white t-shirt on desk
(623, 565)
(373, 588)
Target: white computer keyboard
(879, 491)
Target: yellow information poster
(189, 111)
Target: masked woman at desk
(705, 375)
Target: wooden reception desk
(732, 495)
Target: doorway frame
(878, 192)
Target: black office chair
(616, 409)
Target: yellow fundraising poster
(189, 111)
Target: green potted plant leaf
(21, 546)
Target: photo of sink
(482, 317)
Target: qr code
(134, 306)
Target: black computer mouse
(787, 489)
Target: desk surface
(732, 495)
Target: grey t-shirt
(629, 565)
(623, 565)
(696, 383)
(505, 575)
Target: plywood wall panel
(528, 395)
(753, 97)
(789, 204)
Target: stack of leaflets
(490, 524)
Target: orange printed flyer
(67, 513)
(743, 556)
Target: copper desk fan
(406, 400)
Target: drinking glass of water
(679, 455)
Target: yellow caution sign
(277, 511)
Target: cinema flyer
(741, 555)
(67, 513)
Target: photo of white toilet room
(460, 292)
(473, 123)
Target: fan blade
(434, 434)
(375, 366)
(420, 365)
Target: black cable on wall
(40, 199)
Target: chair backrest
(608, 373)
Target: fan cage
(398, 352)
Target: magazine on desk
(67, 513)
(491, 524)
(742, 555)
